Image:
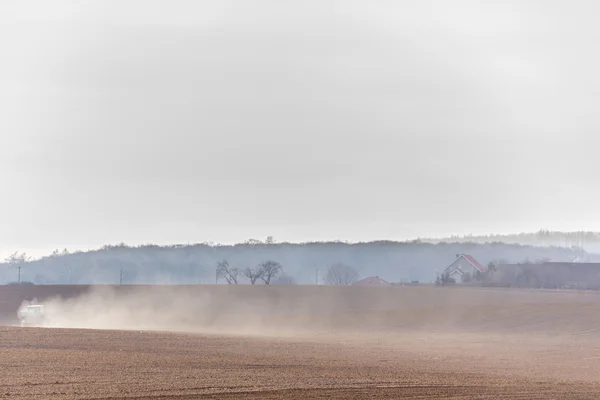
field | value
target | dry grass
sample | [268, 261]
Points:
[400, 343]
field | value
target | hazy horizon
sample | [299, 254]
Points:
[454, 238]
[176, 122]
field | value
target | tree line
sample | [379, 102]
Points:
[301, 263]
[588, 240]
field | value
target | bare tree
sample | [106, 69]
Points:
[341, 274]
[17, 261]
[269, 270]
[253, 274]
[225, 271]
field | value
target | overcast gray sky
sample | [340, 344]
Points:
[188, 121]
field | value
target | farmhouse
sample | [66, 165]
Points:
[372, 281]
[464, 268]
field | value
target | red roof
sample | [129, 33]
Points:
[474, 262]
[373, 281]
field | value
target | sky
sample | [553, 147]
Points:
[189, 121]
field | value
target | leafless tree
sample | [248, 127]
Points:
[17, 261]
[253, 274]
[225, 271]
[341, 274]
[269, 270]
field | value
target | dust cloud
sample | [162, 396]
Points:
[281, 311]
[156, 310]
[261, 311]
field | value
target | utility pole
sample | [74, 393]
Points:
[317, 277]
[121, 277]
[19, 268]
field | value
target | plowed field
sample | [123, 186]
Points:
[531, 346]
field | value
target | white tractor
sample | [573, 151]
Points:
[32, 315]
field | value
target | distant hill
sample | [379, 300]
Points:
[152, 264]
[589, 241]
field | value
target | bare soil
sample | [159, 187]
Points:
[413, 343]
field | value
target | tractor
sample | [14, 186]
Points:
[32, 315]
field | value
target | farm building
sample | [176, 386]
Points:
[464, 268]
[372, 281]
